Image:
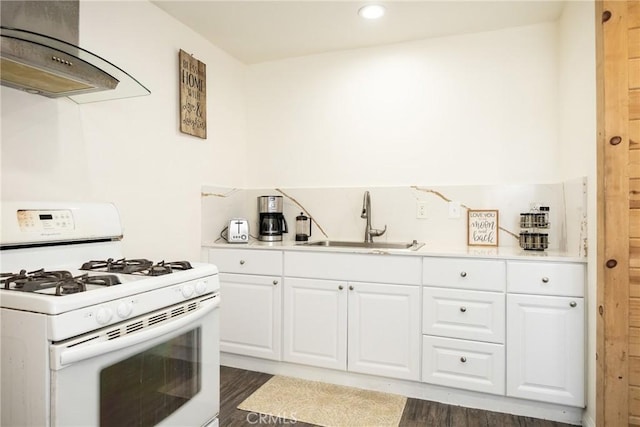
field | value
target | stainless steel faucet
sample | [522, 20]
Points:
[369, 232]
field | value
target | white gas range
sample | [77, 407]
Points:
[92, 338]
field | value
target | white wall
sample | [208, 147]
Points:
[577, 85]
[577, 89]
[479, 108]
[131, 151]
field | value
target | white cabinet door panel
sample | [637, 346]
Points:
[457, 313]
[545, 351]
[384, 330]
[315, 323]
[250, 315]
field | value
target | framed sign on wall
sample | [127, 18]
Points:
[193, 96]
[482, 227]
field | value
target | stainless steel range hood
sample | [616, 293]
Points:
[39, 54]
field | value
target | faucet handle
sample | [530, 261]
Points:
[376, 232]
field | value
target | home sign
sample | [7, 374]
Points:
[482, 227]
[193, 96]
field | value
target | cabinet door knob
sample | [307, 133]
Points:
[463, 274]
[241, 262]
[275, 282]
[573, 304]
[350, 288]
[463, 309]
[545, 280]
[463, 359]
[340, 287]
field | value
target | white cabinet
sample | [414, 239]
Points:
[464, 273]
[463, 322]
[315, 323]
[251, 304]
[250, 315]
[545, 333]
[545, 350]
[471, 365]
[373, 268]
[364, 327]
[384, 330]
[546, 278]
[458, 313]
[503, 327]
[247, 261]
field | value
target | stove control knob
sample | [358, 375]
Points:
[124, 309]
[201, 287]
[187, 290]
[104, 315]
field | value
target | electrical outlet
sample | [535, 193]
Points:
[454, 210]
[421, 209]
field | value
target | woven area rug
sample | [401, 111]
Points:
[325, 404]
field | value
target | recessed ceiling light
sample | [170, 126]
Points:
[371, 11]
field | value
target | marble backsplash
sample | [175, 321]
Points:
[335, 212]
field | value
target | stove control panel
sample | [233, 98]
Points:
[45, 220]
[151, 294]
[115, 311]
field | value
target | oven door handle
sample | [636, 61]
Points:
[61, 356]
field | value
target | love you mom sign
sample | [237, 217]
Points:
[482, 227]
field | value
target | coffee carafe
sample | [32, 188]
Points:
[272, 222]
[303, 227]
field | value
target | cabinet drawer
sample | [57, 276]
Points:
[456, 313]
[486, 275]
[247, 261]
[469, 365]
[546, 278]
[353, 267]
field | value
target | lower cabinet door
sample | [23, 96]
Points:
[384, 330]
[315, 322]
[545, 349]
[250, 315]
[471, 365]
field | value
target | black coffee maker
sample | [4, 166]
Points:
[272, 222]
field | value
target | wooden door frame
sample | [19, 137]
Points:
[613, 214]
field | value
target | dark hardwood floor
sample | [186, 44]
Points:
[237, 384]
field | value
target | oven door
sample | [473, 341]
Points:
[158, 369]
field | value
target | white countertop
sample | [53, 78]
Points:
[503, 252]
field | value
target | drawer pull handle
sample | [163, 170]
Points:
[545, 280]
[463, 274]
[241, 262]
[573, 304]
[275, 282]
[463, 359]
[463, 309]
[340, 287]
[350, 288]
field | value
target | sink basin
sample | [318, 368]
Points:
[364, 245]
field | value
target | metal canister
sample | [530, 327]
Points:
[527, 220]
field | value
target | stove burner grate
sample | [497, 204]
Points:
[167, 267]
[124, 266]
[62, 282]
[136, 266]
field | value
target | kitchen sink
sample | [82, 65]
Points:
[413, 246]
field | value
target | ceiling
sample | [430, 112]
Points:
[259, 31]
